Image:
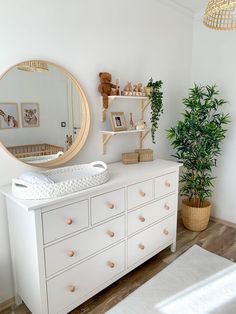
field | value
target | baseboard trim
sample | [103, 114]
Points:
[9, 304]
[224, 222]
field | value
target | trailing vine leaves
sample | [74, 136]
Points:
[197, 141]
[155, 97]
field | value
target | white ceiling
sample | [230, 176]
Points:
[193, 5]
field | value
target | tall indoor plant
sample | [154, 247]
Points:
[155, 96]
[197, 139]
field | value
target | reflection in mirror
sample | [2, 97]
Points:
[43, 112]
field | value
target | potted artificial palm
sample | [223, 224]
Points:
[197, 139]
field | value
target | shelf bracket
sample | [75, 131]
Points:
[142, 137]
[104, 110]
[144, 105]
[105, 140]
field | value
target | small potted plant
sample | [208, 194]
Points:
[197, 139]
[155, 96]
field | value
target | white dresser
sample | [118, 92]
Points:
[66, 250]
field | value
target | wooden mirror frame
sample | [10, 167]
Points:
[80, 138]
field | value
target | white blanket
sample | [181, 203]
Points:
[198, 282]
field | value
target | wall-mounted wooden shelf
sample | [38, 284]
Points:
[107, 135]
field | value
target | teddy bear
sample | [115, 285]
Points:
[105, 87]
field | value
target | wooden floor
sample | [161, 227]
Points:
[218, 238]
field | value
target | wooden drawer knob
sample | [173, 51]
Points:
[166, 206]
[111, 264]
[167, 184]
[111, 234]
[72, 288]
[69, 221]
[141, 193]
[141, 246]
[110, 205]
[70, 253]
[165, 231]
[142, 219]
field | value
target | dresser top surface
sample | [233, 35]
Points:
[120, 175]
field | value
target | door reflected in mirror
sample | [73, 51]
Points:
[44, 114]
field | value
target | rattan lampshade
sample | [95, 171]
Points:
[221, 14]
[33, 66]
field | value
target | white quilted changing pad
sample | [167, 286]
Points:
[60, 181]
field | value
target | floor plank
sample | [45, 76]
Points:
[218, 238]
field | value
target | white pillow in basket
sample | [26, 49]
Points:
[35, 178]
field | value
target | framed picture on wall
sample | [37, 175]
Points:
[30, 115]
[9, 116]
[118, 122]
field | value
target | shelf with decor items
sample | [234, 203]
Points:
[144, 102]
[107, 135]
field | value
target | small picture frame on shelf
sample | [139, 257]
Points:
[118, 122]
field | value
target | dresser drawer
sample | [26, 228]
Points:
[151, 213]
[166, 184]
[77, 282]
[140, 193]
[150, 240]
[65, 220]
[74, 249]
[107, 205]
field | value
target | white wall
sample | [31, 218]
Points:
[133, 40]
[214, 63]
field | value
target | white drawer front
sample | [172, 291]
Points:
[166, 184]
[77, 282]
[150, 240]
[107, 205]
[65, 220]
[140, 193]
[72, 250]
[150, 213]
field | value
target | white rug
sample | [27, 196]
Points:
[198, 282]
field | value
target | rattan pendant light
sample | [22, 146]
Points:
[221, 14]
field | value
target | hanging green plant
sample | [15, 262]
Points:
[155, 96]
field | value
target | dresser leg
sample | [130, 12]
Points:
[173, 247]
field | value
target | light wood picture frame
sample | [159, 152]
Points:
[9, 116]
[118, 122]
[30, 115]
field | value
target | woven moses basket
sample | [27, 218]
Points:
[65, 180]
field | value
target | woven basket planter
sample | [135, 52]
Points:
[195, 218]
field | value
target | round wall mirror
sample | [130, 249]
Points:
[44, 114]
